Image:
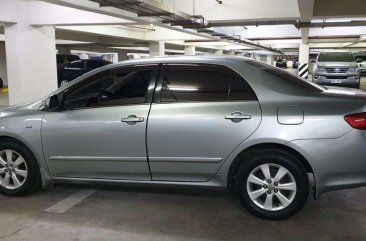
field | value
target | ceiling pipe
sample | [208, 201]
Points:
[150, 8]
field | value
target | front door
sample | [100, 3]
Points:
[100, 132]
[201, 114]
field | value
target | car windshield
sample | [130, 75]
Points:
[336, 57]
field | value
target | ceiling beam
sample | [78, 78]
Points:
[306, 9]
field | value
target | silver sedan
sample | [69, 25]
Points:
[225, 122]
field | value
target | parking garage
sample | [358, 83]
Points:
[53, 46]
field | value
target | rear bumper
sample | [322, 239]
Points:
[337, 163]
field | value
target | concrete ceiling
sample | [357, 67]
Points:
[281, 24]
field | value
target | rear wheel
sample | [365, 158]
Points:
[63, 83]
[272, 184]
[19, 171]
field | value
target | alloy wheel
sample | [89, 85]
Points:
[271, 187]
[13, 169]
[64, 82]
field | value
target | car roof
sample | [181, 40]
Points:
[183, 59]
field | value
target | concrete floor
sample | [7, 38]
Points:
[136, 213]
[169, 214]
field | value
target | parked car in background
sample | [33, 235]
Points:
[361, 61]
[235, 123]
[77, 68]
[295, 63]
[63, 59]
[336, 68]
[281, 63]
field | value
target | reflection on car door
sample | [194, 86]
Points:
[100, 133]
[197, 119]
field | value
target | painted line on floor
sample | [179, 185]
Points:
[70, 201]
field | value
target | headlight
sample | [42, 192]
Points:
[319, 68]
[354, 69]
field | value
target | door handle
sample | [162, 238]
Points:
[132, 119]
[238, 116]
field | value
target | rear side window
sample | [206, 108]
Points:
[203, 83]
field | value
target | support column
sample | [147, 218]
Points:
[157, 49]
[63, 50]
[219, 52]
[122, 55]
[31, 58]
[3, 72]
[189, 50]
[304, 60]
[232, 53]
[270, 59]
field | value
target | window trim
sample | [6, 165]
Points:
[160, 79]
[150, 89]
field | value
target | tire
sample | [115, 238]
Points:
[248, 188]
[27, 175]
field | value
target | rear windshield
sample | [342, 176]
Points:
[336, 57]
[286, 76]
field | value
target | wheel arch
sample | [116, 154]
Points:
[262, 146]
[5, 137]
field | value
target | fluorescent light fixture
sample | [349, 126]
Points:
[183, 88]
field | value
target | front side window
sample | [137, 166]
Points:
[203, 83]
[112, 87]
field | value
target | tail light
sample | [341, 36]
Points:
[357, 121]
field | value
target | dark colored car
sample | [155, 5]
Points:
[77, 68]
[295, 63]
[281, 63]
[63, 59]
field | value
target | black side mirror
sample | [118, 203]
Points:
[55, 102]
[359, 60]
[313, 60]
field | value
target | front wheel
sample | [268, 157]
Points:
[19, 171]
[272, 184]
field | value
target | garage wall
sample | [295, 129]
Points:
[3, 73]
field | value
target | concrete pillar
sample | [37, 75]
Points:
[63, 50]
[304, 60]
[303, 53]
[122, 55]
[31, 58]
[3, 72]
[270, 59]
[232, 52]
[219, 52]
[157, 49]
[189, 50]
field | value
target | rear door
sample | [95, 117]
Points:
[200, 114]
